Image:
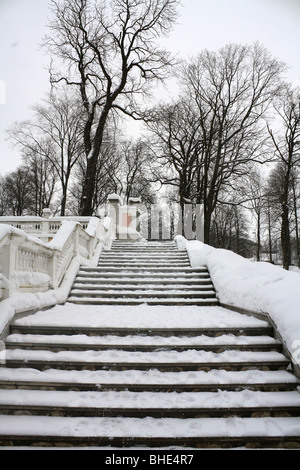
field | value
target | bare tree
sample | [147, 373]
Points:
[17, 190]
[229, 229]
[43, 179]
[55, 134]
[135, 169]
[177, 143]
[106, 180]
[232, 90]
[254, 191]
[3, 197]
[286, 142]
[111, 57]
[296, 202]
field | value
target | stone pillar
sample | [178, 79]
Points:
[114, 202]
[134, 202]
[46, 236]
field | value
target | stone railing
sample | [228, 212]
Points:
[27, 264]
[42, 227]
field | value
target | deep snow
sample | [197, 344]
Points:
[256, 286]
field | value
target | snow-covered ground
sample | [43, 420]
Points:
[259, 287]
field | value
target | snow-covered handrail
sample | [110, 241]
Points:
[42, 227]
[28, 264]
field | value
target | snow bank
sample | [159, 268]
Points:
[260, 287]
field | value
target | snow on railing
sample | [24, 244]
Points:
[27, 264]
[42, 227]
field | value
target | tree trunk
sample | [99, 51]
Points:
[63, 203]
[258, 238]
[86, 203]
[285, 238]
[296, 225]
[270, 236]
[207, 223]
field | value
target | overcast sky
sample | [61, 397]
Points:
[203, 24]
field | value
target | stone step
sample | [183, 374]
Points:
[156, 405]
[136, 246]
[140, 274]
[180, 413]
[269, 432]
[19, 328]
[128, 375]
[144, 264]
[166, 250]
[145, 294]
[139, 262]
[178, 388]
[134, 281]
[123, 360]
[145, 255]
[160, 366]
[156, 270]
[196, 271]
[138, 343]
[168, 265]
[143, 251]
[148, 381]
[140, 347]
[144, 287]
[140, 301]
[142, 259]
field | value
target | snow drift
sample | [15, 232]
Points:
[257, 286]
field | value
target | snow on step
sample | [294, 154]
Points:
[141, 300]
[165, 361]
[99, 379]
[171, 357]
[143, 259]
[141, 316]
[223, 340]
[158, 384]
[182, 274]
[150, 427]
[190, 400]
[146, 286]
[145, 291]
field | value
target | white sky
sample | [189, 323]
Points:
[203, 24]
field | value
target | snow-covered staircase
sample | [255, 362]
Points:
[146, 376]
[134, 273]
[130, 372]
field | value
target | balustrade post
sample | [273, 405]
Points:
[9, 263]
[46, 223]
[75, 236]
[53, 269]
[134, 202]
[114, 202]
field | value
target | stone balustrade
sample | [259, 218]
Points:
[29, 264]
[42, 227]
